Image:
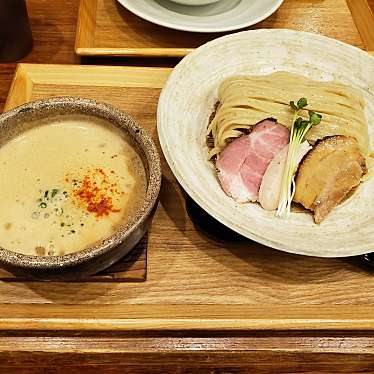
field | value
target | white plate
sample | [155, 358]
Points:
[225, 15]
[187, 101]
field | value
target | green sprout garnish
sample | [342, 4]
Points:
[303, 102]
[298, 131]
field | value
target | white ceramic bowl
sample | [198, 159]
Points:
[221, 16]
[187, 101]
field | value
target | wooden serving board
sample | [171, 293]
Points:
[105, 28]
[203, 302]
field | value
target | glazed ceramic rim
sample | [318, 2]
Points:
[172, 25]
[125, 123]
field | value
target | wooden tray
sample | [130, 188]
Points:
[105, 28]
[204, 303]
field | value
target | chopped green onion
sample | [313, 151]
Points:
[59, 212]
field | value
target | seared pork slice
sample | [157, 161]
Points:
[242, 164]
[328, 173]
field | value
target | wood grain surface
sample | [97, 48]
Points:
[314, 284]
[364, 20]
[193, 354]
[206, 318]
[106, 28]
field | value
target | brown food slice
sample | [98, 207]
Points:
[328, 173]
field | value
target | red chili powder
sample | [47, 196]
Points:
[94, 192]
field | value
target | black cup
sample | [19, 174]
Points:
[15, 31]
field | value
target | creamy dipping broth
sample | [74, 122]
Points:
[66, 185]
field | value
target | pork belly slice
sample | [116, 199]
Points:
[242, 164]
[328, 173]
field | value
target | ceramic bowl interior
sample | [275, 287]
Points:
[16, 121]
[195, 2]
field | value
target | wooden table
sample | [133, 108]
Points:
[139, 351]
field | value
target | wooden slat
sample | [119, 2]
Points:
[86, 23]
[185, 354]
[364, 19]
[105, 76]
[126, 76]
[21, 88]
[184, 317]
[118, 32]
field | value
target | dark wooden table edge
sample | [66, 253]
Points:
[261, 351]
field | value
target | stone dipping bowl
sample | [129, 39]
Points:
[111, 249]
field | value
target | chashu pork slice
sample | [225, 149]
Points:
[328, 173]
[242, 164]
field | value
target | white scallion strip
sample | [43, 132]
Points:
[299, 129]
